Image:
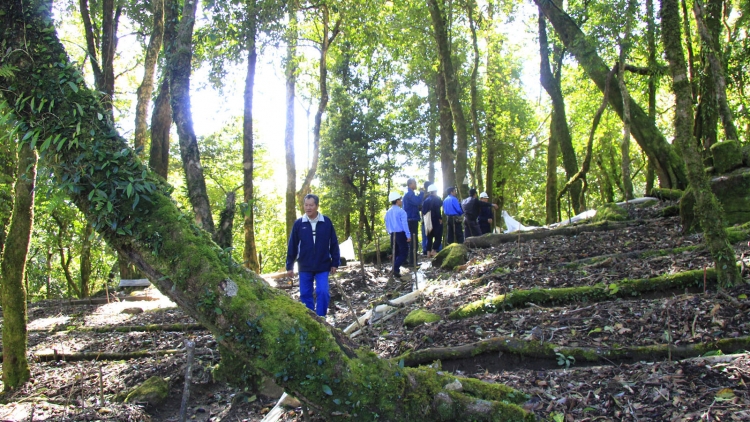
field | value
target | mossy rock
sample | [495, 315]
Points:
[610, 212]
[451, 256]
[369, 253]
[666, 194]
[732, 191]
[727, 156]
[153, 391]
[670, 211]
[420, 316]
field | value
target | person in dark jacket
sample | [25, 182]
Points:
[485, 215]
[432, 204]
[424, 235]
[313, 244]
[412, 205]
[471, 207]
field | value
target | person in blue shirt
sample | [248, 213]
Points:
[432, 204]
[313, 244]
[453, 217]
[412, 205]
[397, 226]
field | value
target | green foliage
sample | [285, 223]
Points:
[566, 361]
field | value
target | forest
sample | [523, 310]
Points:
[126, 153]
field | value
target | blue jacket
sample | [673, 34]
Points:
[451, 206]
[412, 203]
[318, 256]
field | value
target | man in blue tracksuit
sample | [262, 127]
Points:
[412, 205]
[313, 244]
[397, 226]
[453, 216]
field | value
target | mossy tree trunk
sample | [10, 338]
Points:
[669, 167]
[13, 269]
[143, 94]
[259, 324]
[707, 207]
[85, 260]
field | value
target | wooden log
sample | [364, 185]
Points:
[490, 240]
[134, 282]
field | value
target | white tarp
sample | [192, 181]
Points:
[347, 249]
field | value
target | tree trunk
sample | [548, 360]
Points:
[85, 260]
[627, 182]
[551, 191]
[669, 167]
[652, 79]
[250, 254]
[707, 207]
[325, 43]
[179, 57]
[161, 124]
[709, 28]
[559, 130]
[470, 5]
[161, 121]
[447, 153]
[143, 94]
[432, 131]
[452, 90]
[689, 45]
[13, 269]
[101, 47]
[291, 82]
[261, 325]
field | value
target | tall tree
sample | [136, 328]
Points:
[470, 7]
[707, 207]
[447, 134]
[327, 37]
[260, 325]
[652, 79]
[551, 80]
[250, 252]
[290, 73]
[669, 166]
[179, 58]
[143, 94]
[453, 93]
[13, 269]
[102, 45]
[627, 182]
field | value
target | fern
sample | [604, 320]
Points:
[7, 71]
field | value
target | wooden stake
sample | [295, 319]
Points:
[190, 347]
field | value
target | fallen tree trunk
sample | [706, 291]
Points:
[131, 209]
[490, 240]
[82, 356]
[540, 350]
[126, 328]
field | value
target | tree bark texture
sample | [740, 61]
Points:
[432, 131]
[551, 189]
[13, 269]
[559, 130]
[689, 46]
[85, 260]
[179, 57]
[447, 134]
[143, 94]
[652, 80]
[627, 182]
[290, 72]
[707, 207]
[453, 92]
[101, 47]
[260, 325]
[669, 166]
[250, 252]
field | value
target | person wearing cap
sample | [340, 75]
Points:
[313, 244]
[471, 207]
[453, 217]
[412, 204]
[397, 226]
[432, 204]
[485, 215]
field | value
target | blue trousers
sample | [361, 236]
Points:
[321, 291]
[402, 249]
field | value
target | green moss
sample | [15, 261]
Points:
[153, 391]
[369, 252]
[451, 256]
[666, 194]
[624, 288]
[610, 212]
[420, 316]
[727, 156]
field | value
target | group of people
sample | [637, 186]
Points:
[314, 246]
[473, 215]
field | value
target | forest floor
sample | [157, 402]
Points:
[558, 388]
